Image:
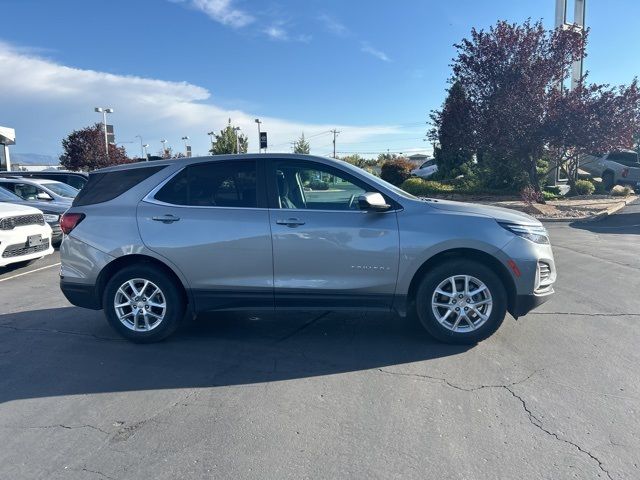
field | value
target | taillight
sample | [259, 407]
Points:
[625, 173]
[69, 221]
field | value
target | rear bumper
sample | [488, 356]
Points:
[81, 295]
[523, 304]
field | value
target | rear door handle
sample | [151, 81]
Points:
[290, 222]
[166, 218]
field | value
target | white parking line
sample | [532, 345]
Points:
[30, 271]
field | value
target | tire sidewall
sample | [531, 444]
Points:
[460, 267]
[173, 298]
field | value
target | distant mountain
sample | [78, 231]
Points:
[33, 159]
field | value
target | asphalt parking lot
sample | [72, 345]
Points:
[553, 395]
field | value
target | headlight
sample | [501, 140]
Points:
[534, 233]
[51, 217]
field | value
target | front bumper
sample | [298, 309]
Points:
[523, 304]
[14, 247]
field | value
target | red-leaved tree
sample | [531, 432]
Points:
[85, 150]
[509, 74]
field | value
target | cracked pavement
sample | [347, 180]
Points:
[553, 395]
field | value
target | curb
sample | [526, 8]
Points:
[593, 218]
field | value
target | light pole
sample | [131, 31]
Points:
[257, 120]
[141, 146]
[104, 111]
[236, 130]
[211, 134]
[146, 155]
[164, 147]
[186, 149]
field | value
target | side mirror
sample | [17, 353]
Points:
[43, 196]
[373, 201]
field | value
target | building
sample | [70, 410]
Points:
[7, 137]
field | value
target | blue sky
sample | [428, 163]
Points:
[171, 68]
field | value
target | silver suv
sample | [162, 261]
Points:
[152, 242]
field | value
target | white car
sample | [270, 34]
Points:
[425, 170]
[24, 235]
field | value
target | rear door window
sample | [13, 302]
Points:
[214, 184]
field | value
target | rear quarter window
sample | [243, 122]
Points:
[105, 186]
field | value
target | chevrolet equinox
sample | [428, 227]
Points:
[152, 242]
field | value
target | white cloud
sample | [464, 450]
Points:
[276, 33]
[366, 48]
[44, 101]
[333, 25]
[222, 11]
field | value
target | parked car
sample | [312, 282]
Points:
[24, 235]
[425, 170]
[149, 242]
[615, 168]
[52, 212]
[75, 179]
[40, 190]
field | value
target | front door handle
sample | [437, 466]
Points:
[166, 218]
[290, 222]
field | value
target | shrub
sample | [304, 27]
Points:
[583, 187]
[421, 188]
[396, 171]
[318, 185]
[549, 196]
[599, 188]
[621, 191]
[553, 190]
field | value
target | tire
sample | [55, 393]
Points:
[158, 312]
[485, 310]
[608, 181]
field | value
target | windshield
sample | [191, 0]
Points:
[62, 189]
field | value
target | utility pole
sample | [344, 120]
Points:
[335, 134]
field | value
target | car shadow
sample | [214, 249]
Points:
[69, 351]
[620, 223]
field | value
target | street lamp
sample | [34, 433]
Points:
[146, 155]
[104, 111]
[236, 130]
[257, 120]
[211, 134]
[141, 146]
[164, 146]
[186, 150]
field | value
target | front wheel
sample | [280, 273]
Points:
[143, 304]
[461, 302]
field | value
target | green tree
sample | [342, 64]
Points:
[385, 157]
[356, 160]
[85, 150]
[225, 141]
[301, 145]
[452, 130]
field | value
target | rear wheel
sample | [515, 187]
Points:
[143, 304]
[461, 302]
